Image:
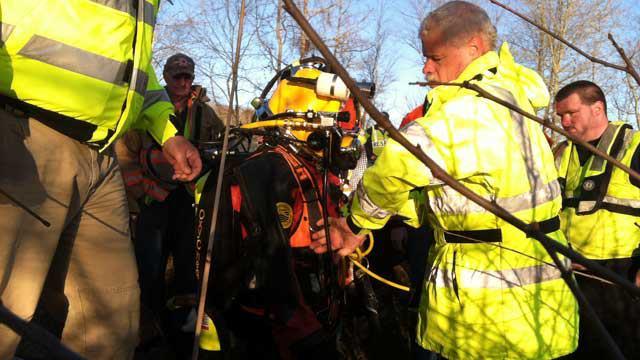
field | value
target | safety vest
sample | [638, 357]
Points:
[87, 62]
[493, 293]
[378, 138]
[600, 204]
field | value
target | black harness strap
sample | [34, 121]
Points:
[494, 235]
[599, 184]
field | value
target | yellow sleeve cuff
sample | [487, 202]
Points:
[162, 130]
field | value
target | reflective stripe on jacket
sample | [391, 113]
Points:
[78, 59]
[492, 292]
[601, 206]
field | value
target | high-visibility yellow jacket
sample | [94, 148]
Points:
[600, 204]
[86, 60]
[492, 292]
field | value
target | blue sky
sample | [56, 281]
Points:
[399, 97]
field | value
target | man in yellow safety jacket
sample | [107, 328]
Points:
[601, 213]
[492, 293]
[73, 77]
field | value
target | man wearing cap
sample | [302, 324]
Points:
[165, 221]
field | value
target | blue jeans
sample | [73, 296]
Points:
[165, 228]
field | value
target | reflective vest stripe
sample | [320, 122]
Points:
[623, 202]
[598, 175]
[495, 279]
[153, 96]
[76, 60]
[605, 144]
[610, 203]
[457, 204]
[5, 31]
[141, 80]
[120, 5]
[416, 135]
[149, 16]
[368, 206]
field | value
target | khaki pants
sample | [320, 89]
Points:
[82, 269]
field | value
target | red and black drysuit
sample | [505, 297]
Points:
[268, 285]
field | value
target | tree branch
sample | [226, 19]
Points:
[537, 119]
[629, 68]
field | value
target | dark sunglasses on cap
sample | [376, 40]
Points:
[182, 76]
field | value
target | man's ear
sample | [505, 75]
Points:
[476, 46]
[598, 107]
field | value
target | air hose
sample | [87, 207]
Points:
[356, 259]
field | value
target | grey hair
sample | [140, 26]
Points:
[459, 20]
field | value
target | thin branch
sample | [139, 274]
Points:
[628, 69]
[541, 121]
[216, 203]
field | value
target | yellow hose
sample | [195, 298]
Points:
[268, 123]
[359, 254]
[378, 277]
[370, 247]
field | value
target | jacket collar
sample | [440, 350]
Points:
[524, 81]
[478, 66]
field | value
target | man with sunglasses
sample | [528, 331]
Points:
[164, 224]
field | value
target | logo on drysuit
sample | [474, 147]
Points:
[589, 185]
[285, 214]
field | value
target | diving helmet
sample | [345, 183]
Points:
[313, 107]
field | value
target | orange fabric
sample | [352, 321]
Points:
[413, 115]
[350, 107]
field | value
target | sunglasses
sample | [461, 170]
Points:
[182, 76]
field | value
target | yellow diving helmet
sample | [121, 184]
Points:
[308, 103]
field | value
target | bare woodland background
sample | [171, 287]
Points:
[377, 41]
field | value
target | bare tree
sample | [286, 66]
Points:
[207, 32]
[626, 103]
[377, 63]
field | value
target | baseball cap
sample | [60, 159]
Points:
[179, 64]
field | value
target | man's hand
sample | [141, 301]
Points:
[342, 239]
[184, 158]
[638, 278]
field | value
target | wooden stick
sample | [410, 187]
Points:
[216, 203]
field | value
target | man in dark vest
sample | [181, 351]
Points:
[600, 213]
